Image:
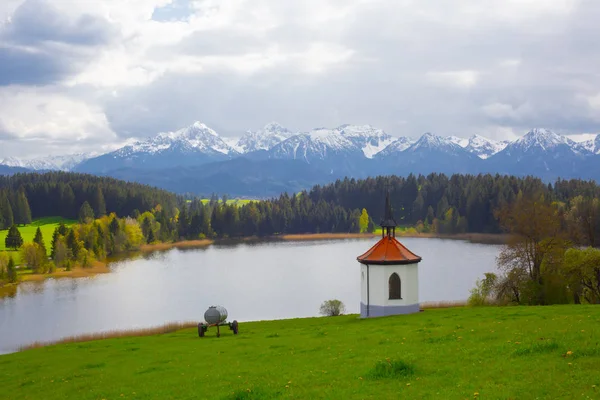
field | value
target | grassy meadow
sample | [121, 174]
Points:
[238, 202]
[46, 225]
[452, 353]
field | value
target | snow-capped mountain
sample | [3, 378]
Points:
[50, 163]
[431, 142]
[431, 153]
[195, 138]
[264, 139]
[194, 145]
[540, 140]
[592, 145]
[276, 159]
[318, 144]
[484, 147]
[541, 153]
[397, 146]
[367, 138]
[462, 142]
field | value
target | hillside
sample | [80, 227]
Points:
[455, 353]
[24, 196]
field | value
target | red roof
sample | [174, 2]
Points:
[388, 251]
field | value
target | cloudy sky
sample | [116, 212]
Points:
[81, 75]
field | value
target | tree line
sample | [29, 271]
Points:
[452, 204]
[115, 216]
[27, 196]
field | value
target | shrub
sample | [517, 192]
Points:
[480, 294]
[391, 369]
[332, 308]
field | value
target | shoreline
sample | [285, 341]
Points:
[174, 326]
[98, 267]
[102, 267]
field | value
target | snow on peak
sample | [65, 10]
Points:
[483, 147]
[462, 142]
[195, 138]
[396, 146]
[592, 145]
[264, 139]
[369, 139]
[275, 127]
[545, 139]
[13, 162]
[430, 141]
[49, 163]
[331, 138]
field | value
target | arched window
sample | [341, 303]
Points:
[395, 287]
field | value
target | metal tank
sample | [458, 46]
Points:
[215, 315]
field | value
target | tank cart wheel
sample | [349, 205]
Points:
[234, 327]
[200, 330]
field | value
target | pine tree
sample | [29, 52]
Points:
[73, 244]
[151, 237]
[13, 240]
[113, 227]
[39, 239]
[62, 229]
[99, 203]
[183, 225]
[23, 214]
[55, 236]
[11, 271]
[6, 212]
[86, 213]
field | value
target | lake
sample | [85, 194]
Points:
[253, 281]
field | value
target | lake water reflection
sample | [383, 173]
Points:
[270, 280]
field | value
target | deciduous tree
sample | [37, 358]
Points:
[535, 238]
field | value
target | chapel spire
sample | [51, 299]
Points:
[388, 223]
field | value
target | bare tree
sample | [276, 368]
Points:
[536, 240]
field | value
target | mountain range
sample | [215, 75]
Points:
[196, 159]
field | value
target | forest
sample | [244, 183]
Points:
[550, 256]
[27, 196]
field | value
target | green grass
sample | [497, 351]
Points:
[238, 202]
[456, 353]
[46, 225]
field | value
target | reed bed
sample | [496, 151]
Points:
[443, 304]
[178, 245]
[87, 337]
[320, 236]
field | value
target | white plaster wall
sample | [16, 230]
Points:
[379, 276]
[409, 279]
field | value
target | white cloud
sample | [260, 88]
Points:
[460, 79]
[32, 114]
[594, 102]
[462, 67]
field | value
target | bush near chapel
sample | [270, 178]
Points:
[332, 308]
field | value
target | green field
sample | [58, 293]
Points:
[46, 225]
[238, 202]
[456, 353]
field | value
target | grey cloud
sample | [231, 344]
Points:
[36, 21]
[41, 46]
[18, 66]
[385, 83]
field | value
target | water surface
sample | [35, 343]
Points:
[258, 281]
